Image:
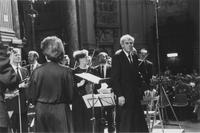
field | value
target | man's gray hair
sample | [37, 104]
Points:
[126, 37]
[34, 53]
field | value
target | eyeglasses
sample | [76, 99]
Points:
[128, 43]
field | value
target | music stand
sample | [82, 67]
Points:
[100, 100]
[94, 80]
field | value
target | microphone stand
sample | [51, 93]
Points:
[19, 103]
[93, 111]
[163, 93]
[93, 116]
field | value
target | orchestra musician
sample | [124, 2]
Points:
[19, 116]
[8, 79]
[145, 67]
[125, 83]
[33, 57]
[104, 71]
[81, 115]
[51, 89]
[66, 60]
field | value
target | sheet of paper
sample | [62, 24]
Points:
[91, 100]
[90, 77]
[107, 99]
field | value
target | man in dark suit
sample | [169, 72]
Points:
[12, 102]
[8, 78]
[103, 70]
[33, 57]
[145, 67]
[125, 83]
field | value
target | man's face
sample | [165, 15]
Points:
[66, 61]
[142, 55]
[127, 45]
[31, 58]
[103, 58]
[16, 57]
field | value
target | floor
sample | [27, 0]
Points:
[188, 126]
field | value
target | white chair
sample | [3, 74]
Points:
[152, 112]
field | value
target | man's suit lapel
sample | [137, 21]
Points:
[23, 73]
[124, 58]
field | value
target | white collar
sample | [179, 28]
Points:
[127, 55]
[35, 64]
[15, 66]
[125, 52]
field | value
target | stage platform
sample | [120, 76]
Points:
[168, 131]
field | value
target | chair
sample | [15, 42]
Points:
[180, 101]
[31, 118]
[152, 112]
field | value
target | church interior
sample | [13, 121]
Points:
[163, 27]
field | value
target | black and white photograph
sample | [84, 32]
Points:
[99, 66]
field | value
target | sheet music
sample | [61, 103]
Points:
[107, 99]
[91, 78]
[99, 100]
[88, 99]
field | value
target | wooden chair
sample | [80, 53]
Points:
[152, 112]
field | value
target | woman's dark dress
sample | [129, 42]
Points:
[51, 92]
[81, 115]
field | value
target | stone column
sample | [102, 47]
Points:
[15, 18]
[71, 25]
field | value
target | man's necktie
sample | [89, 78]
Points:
[104, 71]
[130, 58]
[19, 74]
[31, 68]
[145, 67]
[101, 69]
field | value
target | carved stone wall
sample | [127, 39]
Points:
[9, 23]
[107, 24]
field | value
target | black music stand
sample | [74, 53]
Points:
[100, 100]
[92, 100]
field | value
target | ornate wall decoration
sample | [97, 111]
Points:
[107, 23]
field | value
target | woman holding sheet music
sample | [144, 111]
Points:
[81, 115]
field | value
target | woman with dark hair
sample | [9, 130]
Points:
[51, 89]
[81, 115]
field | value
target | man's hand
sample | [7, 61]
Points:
[24, 85]
[12, 94]
[121, 100]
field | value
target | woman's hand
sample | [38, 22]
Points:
[81, 83]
